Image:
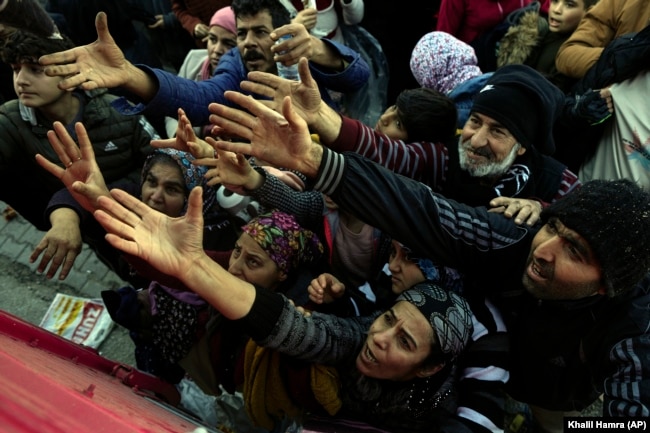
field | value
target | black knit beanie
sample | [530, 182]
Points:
[614, 218]
[525, 102]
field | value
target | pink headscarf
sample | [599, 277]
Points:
[441, 62]
[225, 18]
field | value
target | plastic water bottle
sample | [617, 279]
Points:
[288, 72]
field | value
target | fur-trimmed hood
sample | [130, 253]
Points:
[521, 38]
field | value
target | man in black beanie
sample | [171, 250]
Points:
[501, 158]
[575, 290]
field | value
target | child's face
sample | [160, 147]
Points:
[565, 15]
[33, 88]
[390, 124]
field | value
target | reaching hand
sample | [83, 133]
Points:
[283, 140]
[232, 170]
[525, 210]
[186, 139]
[81, 174]
[61, 244]
[325, 289]
[171, 245]
[99, 64]
[307, 17]
[305, 95]
[301, 44]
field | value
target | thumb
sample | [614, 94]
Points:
[101, 24]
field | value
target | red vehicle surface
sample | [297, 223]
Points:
[51, 385]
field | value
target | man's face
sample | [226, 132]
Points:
[33, 88]
[487, 148]
[561, 265]
[254, 42]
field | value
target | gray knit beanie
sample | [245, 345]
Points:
[614, 218]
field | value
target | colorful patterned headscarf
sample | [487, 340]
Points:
[284, 240]
[194, 175]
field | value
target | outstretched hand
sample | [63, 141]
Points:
[171, 245]
[81, 174]
[305, 95]
[185, 139]
[232, 170]
[325, 288]
[99, 64]
[280, 139]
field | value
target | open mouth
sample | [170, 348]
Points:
[536, 272]
[369, 356]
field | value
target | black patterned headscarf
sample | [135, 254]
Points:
[448, 313]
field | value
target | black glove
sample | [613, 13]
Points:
[591, 107]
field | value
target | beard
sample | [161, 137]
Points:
[490, 168]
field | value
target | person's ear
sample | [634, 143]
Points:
[429, 370]
[283, 276]
[521, 150]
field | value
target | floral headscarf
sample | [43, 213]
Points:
[194, 175]
[284, 240]
[440, 61]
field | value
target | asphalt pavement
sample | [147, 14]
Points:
[27, 294]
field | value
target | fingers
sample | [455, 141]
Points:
[231, 146]
[63, 144]
[85, 146]
[57, 255]
[163, 143]
[522, 210]
[305, 74]
[260, 89]
[250, 104]
[49, 166]
[232, 120]
[101, 25]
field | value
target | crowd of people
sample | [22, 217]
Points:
[426, 240]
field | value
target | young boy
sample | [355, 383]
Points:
[535, 39]
[120, 142]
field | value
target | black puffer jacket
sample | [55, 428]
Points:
[120, 143]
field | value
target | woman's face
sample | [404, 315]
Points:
[249, 262]
[404, 272]
[164, 188]
[398, 342]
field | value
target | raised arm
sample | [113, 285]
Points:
[174, 246]
[99, 64]
[265, 129]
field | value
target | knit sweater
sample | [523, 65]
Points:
[478, 375]
[565, 353]
[433, 164]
